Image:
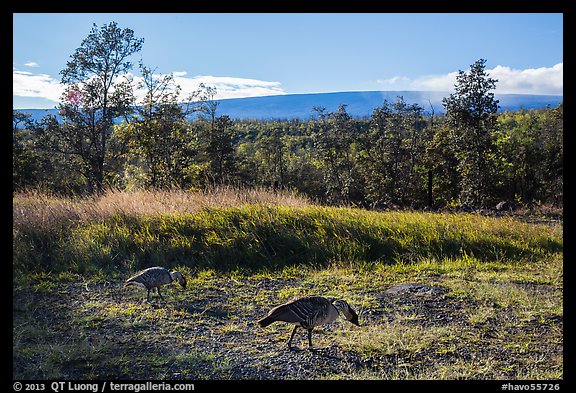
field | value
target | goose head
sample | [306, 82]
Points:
[179, 277]
[348, 312]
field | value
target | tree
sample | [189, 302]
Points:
[530, 155]
[471, 114]
[220, 150]
[36, 161]
[24, 160]
[95, 95]
[271, 152]
[391, 154]
[159, 139]
[442, 166]
[334, 136]
[552, 170]
[208, 105]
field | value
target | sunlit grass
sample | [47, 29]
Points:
[263, 236]
[393, 337]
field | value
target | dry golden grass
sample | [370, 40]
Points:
[45, 211]
[179, 201]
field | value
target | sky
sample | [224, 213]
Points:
[261, 54]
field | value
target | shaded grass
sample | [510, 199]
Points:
[477, 328]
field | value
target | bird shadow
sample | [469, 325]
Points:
[323, 352]
[212, 311]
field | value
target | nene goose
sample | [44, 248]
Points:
[309, 312]
[155, 277]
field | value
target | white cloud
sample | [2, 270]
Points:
[27, 84]
[32, 64]
[427, 83]
[543, 80]
[228, 87]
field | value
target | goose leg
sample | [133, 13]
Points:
[310, 338]
[148, 297]
[158, 288]
[292, 336]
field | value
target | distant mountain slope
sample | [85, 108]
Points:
[359, 103]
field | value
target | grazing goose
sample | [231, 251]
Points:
[309, 312]
[155, 277]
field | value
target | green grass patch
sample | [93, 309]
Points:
[256, 237]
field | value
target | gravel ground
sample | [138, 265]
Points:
[109, 332]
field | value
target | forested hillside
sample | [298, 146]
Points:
[387, 160]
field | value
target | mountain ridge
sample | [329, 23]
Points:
[358, 103]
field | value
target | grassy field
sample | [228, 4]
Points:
[440, 295]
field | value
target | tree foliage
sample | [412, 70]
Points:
[158, 138]
[391, 154]
[471, 114]
[96, 93]
[335, 135]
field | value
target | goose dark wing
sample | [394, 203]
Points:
[286, 313]
[152, 277]
[299, 310]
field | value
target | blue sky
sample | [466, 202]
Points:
[252, 54]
